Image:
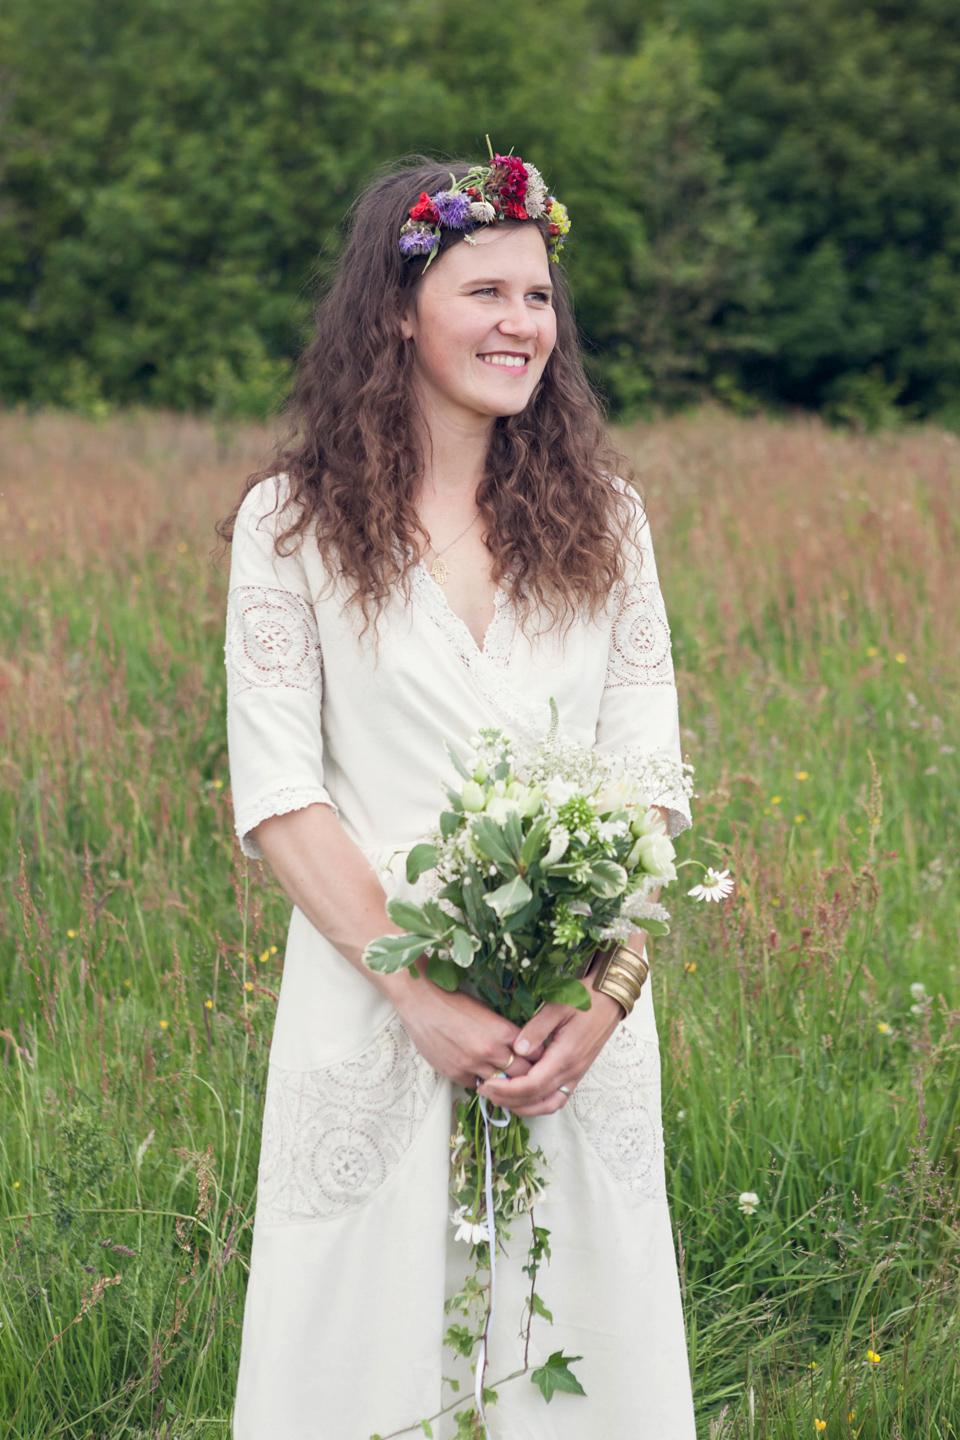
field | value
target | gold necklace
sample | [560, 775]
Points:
[439, 569]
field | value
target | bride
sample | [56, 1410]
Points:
[438, 547]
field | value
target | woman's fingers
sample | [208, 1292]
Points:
[537, 1031]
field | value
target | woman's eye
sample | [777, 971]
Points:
[540, 296]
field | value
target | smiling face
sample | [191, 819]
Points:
[483, 325]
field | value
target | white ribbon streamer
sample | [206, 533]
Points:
[492, 1232]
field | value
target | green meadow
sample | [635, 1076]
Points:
[810, 1025]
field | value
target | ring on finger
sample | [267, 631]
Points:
[564, 1091]
[510, 1061]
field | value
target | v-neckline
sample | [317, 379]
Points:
[487, 647]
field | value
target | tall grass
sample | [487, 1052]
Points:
[813, 586]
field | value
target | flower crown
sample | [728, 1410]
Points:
[506, 189]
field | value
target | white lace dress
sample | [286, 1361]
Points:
[353, 1250]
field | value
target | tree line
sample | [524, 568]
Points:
[765, 193]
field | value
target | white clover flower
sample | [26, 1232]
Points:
[468, 1230]
[559, 841]
[715, 885]
[918, 990]
[748, 1202]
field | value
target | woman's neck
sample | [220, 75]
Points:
[455, 455]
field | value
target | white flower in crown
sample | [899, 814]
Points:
[535, 200]
[468, 1230]
[482, 212]
[715, 885]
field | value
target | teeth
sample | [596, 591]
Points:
[510, 361]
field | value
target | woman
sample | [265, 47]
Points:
[445, 550]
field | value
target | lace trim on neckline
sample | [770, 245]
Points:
[487, 663]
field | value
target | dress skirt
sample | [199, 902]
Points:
[354, 1252]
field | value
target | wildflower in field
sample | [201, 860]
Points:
[799, 819]
[801, 775]
[71, 934]
[164, 1024]
[127, 983]
[248, 985]
[813, 1365]
[872, 651]
[919, 992]
[873, 1358]
[208, 1004]
[748, 1202]
[16, 1184]
[265, 956]
[182, 547]
[819, 1425]
[900, 658]
[681, 1115]
[690, 968]
[218, 784]
[715, 885]
[851, 1416]
[775, 799]
[883, 1027]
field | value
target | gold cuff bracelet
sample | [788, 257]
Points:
[621, 975]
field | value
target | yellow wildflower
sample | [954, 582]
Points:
[799, 819]
[872, 650]
[851, 1416]
[16, 1184]
[127, 983]
[248, 985]
[208, 1004]
[775, 799]
[164, 1024]
[802, 775]
[884, 1029]
[819, 1425]
[71, 934]
[265, 956]
[900, 658]
[182, 547]
[873, 1357]
[813, 1365]
[218, 784]
[690, 967]
[273, 949]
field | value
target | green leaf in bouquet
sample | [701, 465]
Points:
[412, 917]
[567, 992]
[458, 765]
[443, 973]
[523, 917]
[654, 927]
[453, 796]
[449, 823]
[507, 899]
[489, 840]
[454, 893]
[607, 878]
[420, 859]
[464, 947]
[513, 834]
[534, 843]
[556, 1375]
[393, 952]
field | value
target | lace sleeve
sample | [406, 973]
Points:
[638, 711]
[274, 681]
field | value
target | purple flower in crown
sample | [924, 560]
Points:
[452, 207]
[418, 242]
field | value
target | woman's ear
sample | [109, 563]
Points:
[408, 319]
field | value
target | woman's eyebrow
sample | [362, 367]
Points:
[483, 280]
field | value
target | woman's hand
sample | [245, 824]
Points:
[458, 1034]
[578, 1038]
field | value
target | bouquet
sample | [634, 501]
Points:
[542, 857]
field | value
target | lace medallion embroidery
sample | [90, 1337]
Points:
[618, 1106]
[640, 640]
[272, 640]
[332, 1137]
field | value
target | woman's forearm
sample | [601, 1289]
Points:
[330, 881]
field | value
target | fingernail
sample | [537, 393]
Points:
[522, 1047]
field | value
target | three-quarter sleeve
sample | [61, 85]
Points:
[638, 711]
[274, 674]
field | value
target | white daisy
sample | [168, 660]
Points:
[715, 885]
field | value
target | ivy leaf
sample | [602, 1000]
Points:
[427, 1429]
[421, 858]
[556, 1375]
[607, 878]
[464, 947]
[393, 952]
[568, 992]
[459, 1338]
[538, 1307]
[443, 973]
[507, 899]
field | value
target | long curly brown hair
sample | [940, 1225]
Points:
[554, 518]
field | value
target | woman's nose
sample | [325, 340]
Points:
[518, 320]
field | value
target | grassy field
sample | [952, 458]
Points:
[810, 1025]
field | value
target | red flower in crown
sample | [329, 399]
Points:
[514, 183]
[515, 211]
[424, 209]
